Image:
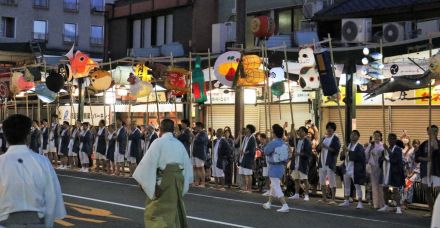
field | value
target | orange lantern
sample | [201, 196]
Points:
[101, 80]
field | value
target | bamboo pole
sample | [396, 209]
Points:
[15, 104]
[339, 93]
[190, 90]
[292, 125]
[383, 96]
[27, 104]
[269, 95]
[430, 117]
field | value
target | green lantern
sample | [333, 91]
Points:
[278, 88]
[198, 83]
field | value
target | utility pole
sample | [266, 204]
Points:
[241, 39]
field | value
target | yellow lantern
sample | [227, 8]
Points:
[143, 72]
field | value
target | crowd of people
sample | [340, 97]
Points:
[291, 164]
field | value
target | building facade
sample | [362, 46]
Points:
[148, 25]
[56, 24]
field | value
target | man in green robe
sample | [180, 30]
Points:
[165, 173]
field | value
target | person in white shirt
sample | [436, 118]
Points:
[165, 173]
[355, 169]
[30, 193]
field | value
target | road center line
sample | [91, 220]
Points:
[141, 208]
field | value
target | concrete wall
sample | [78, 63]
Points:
[119, 37]
[25, 14]
[204, 15]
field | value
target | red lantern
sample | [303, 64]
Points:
[176, 81]
[263, 26]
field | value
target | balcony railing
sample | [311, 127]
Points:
[39, 36]
[41, 4]
[8, 2]
[96, 41]
[70, 39]
[71, 6]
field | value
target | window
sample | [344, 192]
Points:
[41, 3]
[7, 27]
[155, 31]
[8, 2]
[285, 22]
[40, 30]
[70, 33]
[96, 35]
[70, 5]
[97, 5]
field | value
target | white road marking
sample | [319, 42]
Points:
[240, 201]
[97, 180]
[292, 208]
[141, 208]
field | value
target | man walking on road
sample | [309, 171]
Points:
[165, 173]
[30, 193]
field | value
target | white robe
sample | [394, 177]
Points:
[163, 151]
[34, 179]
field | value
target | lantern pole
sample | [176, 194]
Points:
[81, 99]
[27, 104]
[430, 116]
[269, 95]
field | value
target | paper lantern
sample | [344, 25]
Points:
[121, 73]
[251, 61]
[262, 26]
[278, 88]
[226, 66]
[101, 80]
[252, 77]
[143, 72]
[198, 83]
[32, 74]
[66, 72]
[55, 82]
[139, 88]
[18, 83]
[44, 93]
[309, 76]
[80, 63]
[276, 74]
[176, 81]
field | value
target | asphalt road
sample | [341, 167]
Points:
[94, 200]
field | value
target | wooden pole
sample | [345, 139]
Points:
[15, 104]
[157, 105]
[339, 93]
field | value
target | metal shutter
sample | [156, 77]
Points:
[300, 115]
[414, 120]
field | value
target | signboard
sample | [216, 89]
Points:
[435, 96]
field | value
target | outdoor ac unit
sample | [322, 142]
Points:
[397, 31]
[426, 27]
[356, 30]
[310, 8]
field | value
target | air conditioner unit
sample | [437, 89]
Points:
[310, 8]
[356, 30]
[426, 27]
[397, 31]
